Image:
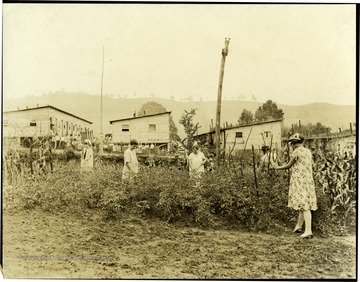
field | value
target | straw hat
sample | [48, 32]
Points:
[296, 138]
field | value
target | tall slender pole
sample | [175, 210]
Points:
[254, 170]
[218, 107]
[101, 107]
[101, 103]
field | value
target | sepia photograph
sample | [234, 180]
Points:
[178, 140]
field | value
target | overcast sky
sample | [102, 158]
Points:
[291, 54]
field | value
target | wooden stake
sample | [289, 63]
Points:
[254, 169]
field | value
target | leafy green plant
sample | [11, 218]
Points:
[337, 178]
[190, 129]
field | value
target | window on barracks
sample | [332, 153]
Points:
[238, 135]
[125, 127]
[152, 127]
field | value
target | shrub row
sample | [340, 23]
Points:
[221, 198]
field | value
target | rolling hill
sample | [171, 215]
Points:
[88, 107]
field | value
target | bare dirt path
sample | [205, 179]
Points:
[42, 245]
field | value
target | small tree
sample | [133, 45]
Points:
[190, 129]
[246, 117]
[320, 129]
[268, 111]
[309, 129]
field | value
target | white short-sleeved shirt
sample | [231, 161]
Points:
[130, 157]
[195, 162]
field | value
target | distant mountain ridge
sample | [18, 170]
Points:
[88, 107]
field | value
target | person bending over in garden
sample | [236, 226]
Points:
[87, 156]
[196, 162]
[302, 196]
[131, 165]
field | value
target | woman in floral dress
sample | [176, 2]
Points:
[302, 196]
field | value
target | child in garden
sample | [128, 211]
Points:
[87, 156]
[302, 195]
[48, 156]
[196, 162]
[131, 164]
[264, 161]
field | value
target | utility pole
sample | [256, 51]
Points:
[218, 107]
[101, 105]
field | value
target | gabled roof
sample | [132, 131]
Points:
[51, 107]
[132, 118]
[242, 126]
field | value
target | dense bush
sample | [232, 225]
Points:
[222, 197]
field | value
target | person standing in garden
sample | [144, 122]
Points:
[152, 155]
[196, 162]
[302, 196]
[265, 159]
[131, 164]
[48, 156]
[87, 156]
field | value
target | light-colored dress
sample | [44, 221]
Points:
[196, 166]
[130, 157]
[302, 194]
[87, 159]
